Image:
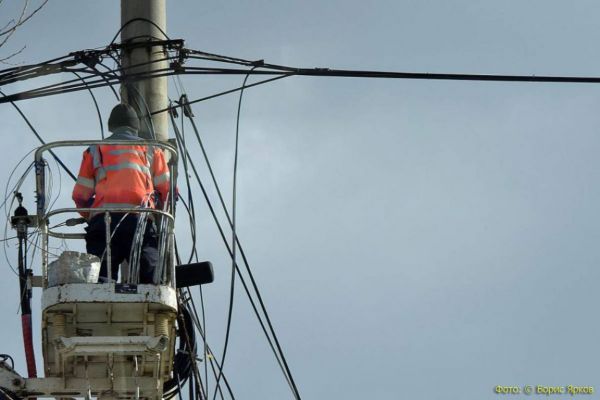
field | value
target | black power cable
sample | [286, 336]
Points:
[95, 104]
[106, 79]
[180, 139]
[110, 85]
[222, 93]
[138, 20]
[40, 138]
[213, 362]
[185, 358]
[185, 154]
[233, 230]
[280, 358]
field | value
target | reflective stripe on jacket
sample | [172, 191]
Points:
[120, 176]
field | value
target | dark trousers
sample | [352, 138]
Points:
[121, 242]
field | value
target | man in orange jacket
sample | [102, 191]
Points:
[122, 176]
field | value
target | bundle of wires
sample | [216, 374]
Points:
[185, 357]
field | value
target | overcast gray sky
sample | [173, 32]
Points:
[411, 239]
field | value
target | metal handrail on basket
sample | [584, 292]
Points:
[166, 275]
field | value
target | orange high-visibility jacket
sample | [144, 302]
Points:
[115, 176]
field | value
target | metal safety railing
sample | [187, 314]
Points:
[164, 272]
[40, 164]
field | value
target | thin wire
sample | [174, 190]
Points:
[95, 104]
[247, 265]
[74, 85]
[221, 93]
[110, 85]
[61, 88]
[233, 226]
[184, 158]
[136, 20]
[6, 195]
[40, 248]
[205, 194]
[213, 361]
[246, 289]
[47, 68]
[192, 353]
[191, 212]
[52, 202]
[7, 209]
[205, 351]
[40, 138]
[147, 115]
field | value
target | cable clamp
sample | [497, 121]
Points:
[187, 109]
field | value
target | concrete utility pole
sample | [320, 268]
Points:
[149, 94]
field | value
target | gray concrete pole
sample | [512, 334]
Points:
[149, 94]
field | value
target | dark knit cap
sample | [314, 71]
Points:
[123, 115]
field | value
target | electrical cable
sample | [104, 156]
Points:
[136, 20]
[5, 357]
[182, 360]
[205, 350]
[233, 230]
[191, 212]
[95, 104]
[14, 190]
[192, 352]
[12, 74]
[146, 116]
[73, 85]
[181, 145]
[222, 93]
[246, 289]
[69, 86]
[213, 361]
[222, 236]
[282, 363]
[110, 85]
[40, 138]
[6, 394]
[184, 158]
[243, 255]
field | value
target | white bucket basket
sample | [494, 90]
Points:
[73, 267]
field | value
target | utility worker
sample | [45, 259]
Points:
[122, 176]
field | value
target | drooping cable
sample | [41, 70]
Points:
[95, 104]
[182, 367]
[40, 138]
[110, 85]
[138, 102]
[241, 277]
[63, 64]
[222, 234]
[280, 358]
[181, 145]
[209, 354]
[75, 85]
[222, 93]
[138, 20]
[233, 231]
